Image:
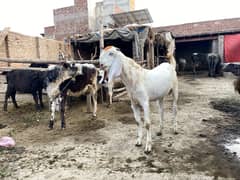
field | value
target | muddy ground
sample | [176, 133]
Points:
[104, 148]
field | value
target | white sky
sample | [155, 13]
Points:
[31, 16]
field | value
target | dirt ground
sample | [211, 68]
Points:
[104, 148]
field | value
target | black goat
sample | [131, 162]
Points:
[24, 81]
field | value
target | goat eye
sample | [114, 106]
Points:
[110, 54]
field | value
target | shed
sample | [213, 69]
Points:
[218, 36]
[133, 41]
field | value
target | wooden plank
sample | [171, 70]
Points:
[120, 95]
[119, 89]
[19, 68]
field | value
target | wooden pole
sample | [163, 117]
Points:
[101, 43]
[15, 60]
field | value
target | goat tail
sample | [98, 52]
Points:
[172, 60]
[236, 84]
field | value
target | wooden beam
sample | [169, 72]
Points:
[119, 90]
[15, 60]
[19, 68]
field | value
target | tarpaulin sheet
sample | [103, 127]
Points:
[124, 33]
[232, 48]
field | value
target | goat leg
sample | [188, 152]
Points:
[50, 125]
[13, 96]
[53, 109]
[137, 116]
[6, 102]
[35, 97]
[40, 98]
[62, 111]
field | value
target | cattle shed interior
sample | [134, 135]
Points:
[202, 45]
[186, 49]
[87, 50]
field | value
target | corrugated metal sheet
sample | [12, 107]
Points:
[133, 17]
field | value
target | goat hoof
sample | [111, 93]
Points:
[94, 117]
[159, 133]
[138, 145]
[50, 128]
[176, 133]
[63, 126]
[147, 152]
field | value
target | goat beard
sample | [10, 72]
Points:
[236, 84]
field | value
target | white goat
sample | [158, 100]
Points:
[106, 84]
[142, 85]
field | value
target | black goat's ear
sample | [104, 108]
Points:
[65, 65]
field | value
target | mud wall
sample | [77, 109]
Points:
[16, 45]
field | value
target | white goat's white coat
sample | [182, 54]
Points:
[143, 86]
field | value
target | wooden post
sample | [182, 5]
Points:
[101, 42]
[151, 47]
[221, 47]
[158, 60]
[151, 54]
[69, 50]
[142, 51]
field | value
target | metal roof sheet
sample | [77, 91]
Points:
[139, 17]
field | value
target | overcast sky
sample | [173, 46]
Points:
[31, 16]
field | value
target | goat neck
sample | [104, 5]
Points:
[132, 73]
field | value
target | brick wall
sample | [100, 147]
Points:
[80, 3]
[48, 49]
[28, 47]
[21, 46]
[49, 32]
[69, 21]
[3, 54]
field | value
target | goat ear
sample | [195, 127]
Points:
[65, 65]
[115, 70]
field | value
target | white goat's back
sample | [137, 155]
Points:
[160, 80]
